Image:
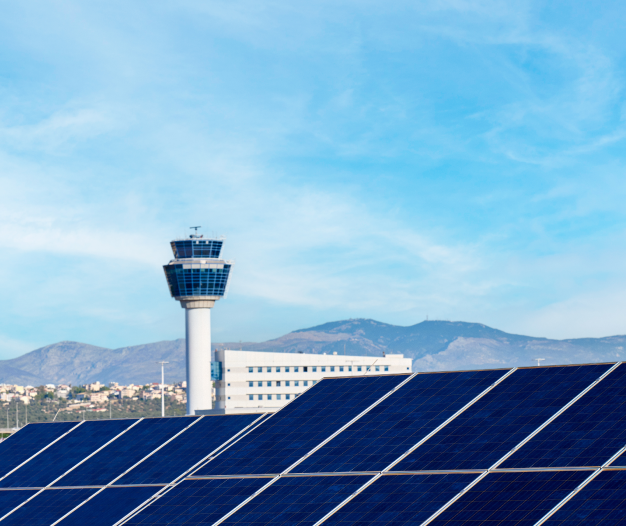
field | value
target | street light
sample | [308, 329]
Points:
[163, 387]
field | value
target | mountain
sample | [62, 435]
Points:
[433, 346]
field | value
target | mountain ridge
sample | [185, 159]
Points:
[433, 345]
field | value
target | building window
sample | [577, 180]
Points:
[260, 397]
[305, 369]
[277, 369]
[324, 369]
[386, 368]
[269, 397]
[228, 385]
[287, 397]
[250, 384]
[287, 383]
[250, 397]
[314, 369]
[377, 368]
[269, 369]
[332, 368]
[296, 383]
[278, 383]
[349, 368]
[269, 384]
[277, 397]
[341, 368]
[229, 397]
[295, 369]
[260, 369]
[358, 368]
[306, 383]
[314, 382]
[286, 369]
[250, 369]
[260, 384]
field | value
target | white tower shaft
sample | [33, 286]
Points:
[199, 384]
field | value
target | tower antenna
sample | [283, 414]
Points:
[539, 360]
[195, 228]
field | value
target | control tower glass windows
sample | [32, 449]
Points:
[197, 248]
[197, 281]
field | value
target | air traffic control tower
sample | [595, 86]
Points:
[197, 277]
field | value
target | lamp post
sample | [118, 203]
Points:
[163, 387]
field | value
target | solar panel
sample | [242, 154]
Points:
[511, 498]
[301, 425]
[186, 450]
[47, 507]
[65, 453]
[502, 418]
[400, 499]
[10, 499]
[124, 452]
[587, 434]
[399, 422]
[602, 501]
[109, 506]
[297, 500]
[342, 425]
[29, 440]
[198, 501]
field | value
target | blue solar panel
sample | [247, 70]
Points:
[399, 422]
[109, 506]
[10, 499]
[502, 418]
[27, 441]
[47, 507]
[297, 500]
[587, 434]
[66, 453]
[400, 500]
[517, 499]
[301, 425]
[197, 502]
[124, 452]
[187, 449]
[602, 501]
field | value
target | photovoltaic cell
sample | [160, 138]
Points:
[511, 499]
[602, 501]
[122, 453]
[66, 453]
[587, 434]
[399, 422]
[186, 450]
[301, 425]
[296, 500]
[10, 499]
[27, 441]
[47, 507]
[502, 418]
[109, 506]
[400, 500]
[197, 502]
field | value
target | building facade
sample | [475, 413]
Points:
[266, 381]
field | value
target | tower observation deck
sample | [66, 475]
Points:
[197, 277]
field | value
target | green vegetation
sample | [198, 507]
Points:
[44, 410]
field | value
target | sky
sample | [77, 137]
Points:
[450, 159]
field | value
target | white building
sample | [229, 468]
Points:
[254, 382]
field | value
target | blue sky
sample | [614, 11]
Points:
[459, 159]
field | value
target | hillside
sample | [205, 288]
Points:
[433, 345]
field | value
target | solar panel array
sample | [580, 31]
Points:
[527, 446]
